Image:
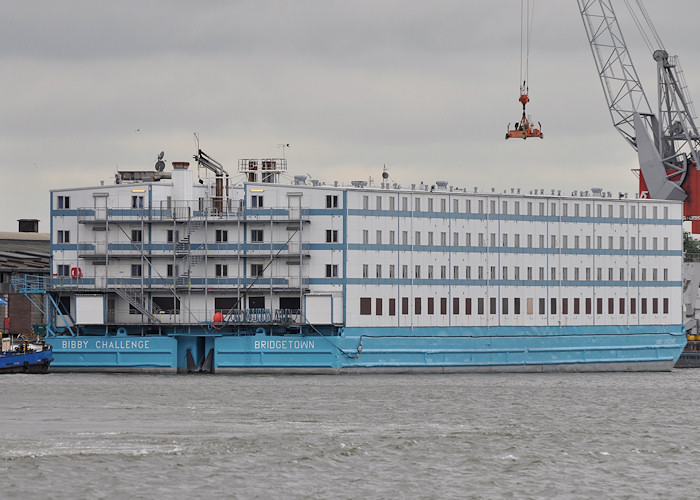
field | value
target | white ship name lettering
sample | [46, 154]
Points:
[284, 344]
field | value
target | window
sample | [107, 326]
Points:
[331, 236]
[63, 237]
[443, 239]
[256, 235]
[137, 202]
[379, 270]
[379, 237]
[221, 235]
[136, 235]
[577, 305]
[542, 306]
[404, 237]
[589, 305]
[172, 270]
[417, 273]
[365, 236]
[611, 305]
[417, 308]
[443, 272]
[504, 305]
[516, 243]
[443, 205]
[468, 272]
[365, 202]
[565, 304]
[135, 270]
[622, 305]
[331, 270]
[468, 306]
[173, 235]
[455, 239]
[365, 306]
[417, 239]
[417, 209]
[480, 305]
[492, 305]
[455, 272]
[404, 271]
[392, 235]
[392, 271]
[552, 306]
[516, 305]
[221, 270]
[256, 201]
[431, 305]
[404, 305]
[455, 305]
[430, 272]
[633, 304]
[256, 270]
[63, 270]
[666, 306]
[64, 202]
[392, 206]
[655, 303]
[331, 201]
[392, 302]
[379, 207]
[430, 238]
[504, 240]
[430, 204]
[365, 270]
[599, 305]
[378, 307]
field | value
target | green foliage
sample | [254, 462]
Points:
[690, 244]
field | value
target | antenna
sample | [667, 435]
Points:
[160, 164]
[284, 147]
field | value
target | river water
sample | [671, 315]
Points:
[616, 435]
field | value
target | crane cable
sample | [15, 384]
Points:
[646, 35]
[527, 10]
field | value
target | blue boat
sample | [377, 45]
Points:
[25, 357]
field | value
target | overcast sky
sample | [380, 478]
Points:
[425, 88]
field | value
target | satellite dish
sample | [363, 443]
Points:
[161, 155]
[160, 165]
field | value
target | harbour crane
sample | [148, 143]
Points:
[667, 141]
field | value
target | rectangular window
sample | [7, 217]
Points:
[221, 270]
[480, 305]
[565, 304]
[530, 308]
[256, 270]
[443, 305]
[430, 238]
[63, 237]
[331, 270]
[404, 237]
[599, 305]
[455, 272]
[417, 272]
[443, 272]
[417, 306]
[516, 305]
[378, 307]
[392, 302]
[331, 201]
[552, 305]
[633, 305]
[468, 272]
[379, 270]
[504, 240]
[63, 270]
[655, 304]
[430, 204]
[504, 305]
[64, 202]
[542, 306]
[256, 235]
[404, 271]
[172, 270]
[666, 306]
[468, 306]
[622, 305]
[365, 270]
[492, 305]
[455, 305]
[256, 201]
[379, 237]
[431, 305]
[331, 236]
[577, 305]
[136, 270]
[365, 306]
[392, 271]
[404, 305]
[137, 202]
[173, 236]
[417, 238]
[611, 305]
[365, 236]
[379, 207]
[589, 305]
[221, 235]
[644, 301]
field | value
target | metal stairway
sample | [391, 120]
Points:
[135, 296]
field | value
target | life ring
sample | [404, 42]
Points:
[76, 272]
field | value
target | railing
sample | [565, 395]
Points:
[262, 316]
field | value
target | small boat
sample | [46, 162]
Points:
[23, 356]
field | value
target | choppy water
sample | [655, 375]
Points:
[352, 436]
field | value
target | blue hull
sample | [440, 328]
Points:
[601, 348]
[29, 362]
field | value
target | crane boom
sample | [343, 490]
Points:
[667, 142]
